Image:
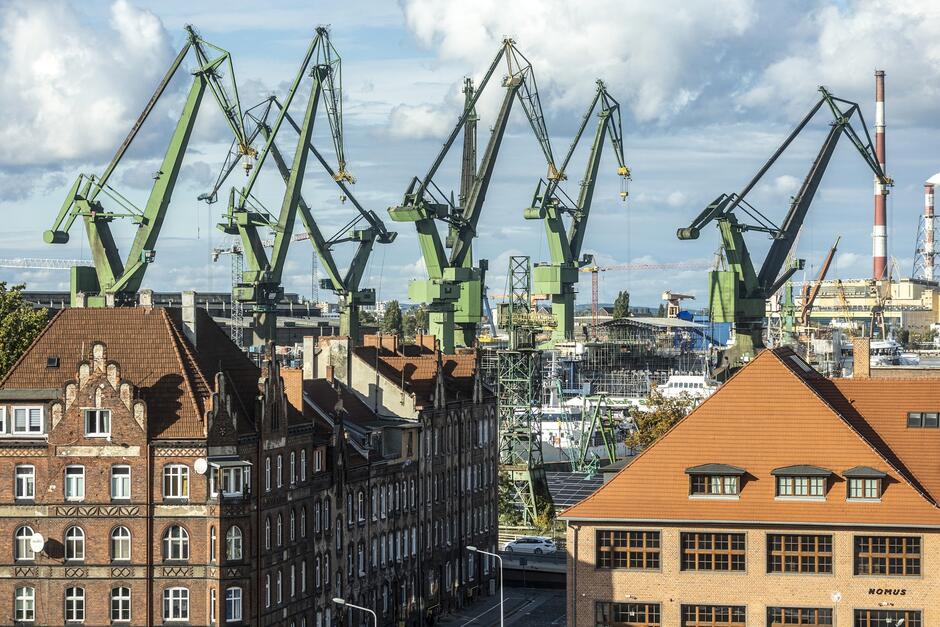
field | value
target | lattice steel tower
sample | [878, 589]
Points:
[519, 394]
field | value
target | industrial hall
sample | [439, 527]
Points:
[155, 474]
[785, 498]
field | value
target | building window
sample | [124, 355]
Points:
[27, 420]
[74, 483]
[361, 506]
[74, 544]
[806, 487]
[799, 554]
[923, 420]
[293, 467]
[712, 551]
[267, 474]
[889, 618]
[120, 482]
[303, 521]
[627, 614]
[317, 460]
[97, 423]
[176, 481]
[233, 604]
[303, 575]
[267, 590]
[176, 604]
[120, 544]
[628, 549]
[293, 520]
[713, 615]
[280, 530]
[120, 604]
[24, 604]
[280, 471]
[175, 543]
[887, 555]
[316, 517]
[864, 488]
[74, 605]
[233, 543]
[267, 532]
[212, 600]
[232, 481]
[279, 587]
[25, 482]
[303, 464]
[806, 616]
[714, 485]
[212, 543]
[22, 548]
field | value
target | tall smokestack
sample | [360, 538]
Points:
[879, 235]
[928, 232]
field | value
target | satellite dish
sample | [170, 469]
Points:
[836, 597]
[37, 543]
[200, 466]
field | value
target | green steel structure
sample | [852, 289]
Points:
[454, 287]
[519, 393]
[551, 204]
[739, 294]
[114, 281]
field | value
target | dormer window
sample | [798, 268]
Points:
[98, 423]
[714, 480]
[923, 420]
[802, 482]
[864, 483]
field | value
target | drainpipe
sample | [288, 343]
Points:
[574, 577]
[150, 513]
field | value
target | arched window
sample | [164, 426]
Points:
[267, 474]
[267, 532]
[303, 575]
[316, 517]
[278, 587]
[267, 590]
[293, 467]
[175, 543]
[280, 471]
[316, 571]
[361, 506]
[75, 604]
[120, 544]
[24, 604]
[280, 530]
[303, 464]
[213, 538]
[303, 521]
[176, 481]
[120, 604]
[233, 543]
[293, 521]
[74, 544]
[360, 558]
[326, 514]
[22, 550]
[326, 569]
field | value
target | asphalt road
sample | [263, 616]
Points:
[524, 607]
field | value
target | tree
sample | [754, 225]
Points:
[392, 323]
[20, 323]
[421, 319]
[661, 312]
[622, 305]
[409, 325]
[657, 416]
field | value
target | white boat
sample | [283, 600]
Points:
[697, 386]
[888, 353]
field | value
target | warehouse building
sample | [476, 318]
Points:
[786, 498]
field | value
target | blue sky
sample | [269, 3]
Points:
[708, 90]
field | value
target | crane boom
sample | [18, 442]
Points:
[810, 293]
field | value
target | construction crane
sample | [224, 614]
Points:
[551, 204]
[34, 263]
[113, 281]
[810, 293]
[739, 294]
[453, 289]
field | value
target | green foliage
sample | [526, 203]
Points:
[367, 317]
[661, 312]
[509, 514]
[622, 305]
[658, 415]
[19, 325]
[392, 323]
[421, 319]
[904, 337]
[415, 322]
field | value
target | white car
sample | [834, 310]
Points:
[530, 544]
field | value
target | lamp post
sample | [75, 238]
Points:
[375, 618]
[476, 550]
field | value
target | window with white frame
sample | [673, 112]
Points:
[74, 605]
[303, 464]
[22, 545]
[293, 467]
[175, 543]
[27, 420]
[267, 532]
[213, 539]
[233, 543]
[293, 520]
[361, 506]
[267, 590]
[279, 588]
[3, 420]
[120, 604]
[75, 544]
[98, 423]
[120, 482]
[176, 604]
[74, 483]
[317, 460]
[120, 544]
[267, 474]
[24, 604]
[280, 530]
[303, 575]
[293, 580]
[176, 481]
[212, 600]
[280, 471]
[232, 480]
[25, 481]
[303, 521]
[233, 604]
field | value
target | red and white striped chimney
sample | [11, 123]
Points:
[928, 231]
[879, 235]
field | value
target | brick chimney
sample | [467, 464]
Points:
[861, 355]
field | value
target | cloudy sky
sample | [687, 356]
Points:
[707, 90]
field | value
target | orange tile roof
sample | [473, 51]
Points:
[772, 414]
[174, 378]
[417, 373]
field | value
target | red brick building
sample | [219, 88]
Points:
[786, 498]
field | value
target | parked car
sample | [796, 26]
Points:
[530, 544]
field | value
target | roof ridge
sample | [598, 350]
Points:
[29, 348]
[183, 369]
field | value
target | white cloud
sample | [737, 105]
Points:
[676, 199]
[655, 52]
[423, 121]
[786, 184]
[847, 261]
[68, 90]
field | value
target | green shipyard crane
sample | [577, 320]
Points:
[454, 287]
[739, 294]
[114, 281]
[551, 204]
[260, 288]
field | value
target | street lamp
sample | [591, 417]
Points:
[340, 601]
[476, 550]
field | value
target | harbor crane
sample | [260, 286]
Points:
[114, 281]
[739, 294]
[551, 204]
[454, 287]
